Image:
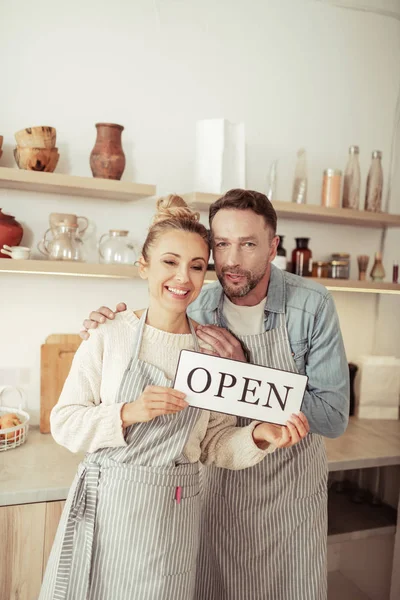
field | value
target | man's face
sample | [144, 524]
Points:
[243, 248]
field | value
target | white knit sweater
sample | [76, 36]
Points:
[87, 418]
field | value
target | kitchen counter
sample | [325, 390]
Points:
[42, 471]
[37, 471]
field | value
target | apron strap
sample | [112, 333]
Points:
[195, 339]
[138, 338]
[83, 508]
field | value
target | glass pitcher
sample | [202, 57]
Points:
[65, 245]
[116, 248]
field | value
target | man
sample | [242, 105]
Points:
[264, 529]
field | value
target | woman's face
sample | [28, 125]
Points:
[175, 269]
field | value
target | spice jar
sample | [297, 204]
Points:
[331, 188]
[302, 258]
[320, 269]
[339, 269]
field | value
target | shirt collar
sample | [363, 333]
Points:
[276, 295]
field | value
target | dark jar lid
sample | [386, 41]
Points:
[302, 242]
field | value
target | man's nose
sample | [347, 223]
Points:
[232, 256]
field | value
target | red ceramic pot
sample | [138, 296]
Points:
[11, 232]
[107, 159]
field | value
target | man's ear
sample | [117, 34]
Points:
[142, 266]
[273, 248]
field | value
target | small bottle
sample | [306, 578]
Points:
[377, 271]
[302, 258]
[373, 193]
[331, 188]
[299, 195]
[395, 277]
[280, 259]
[271, 187]
[352, 180]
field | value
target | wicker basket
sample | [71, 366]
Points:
[17, 435]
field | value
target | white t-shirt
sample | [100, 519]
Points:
[244, 320]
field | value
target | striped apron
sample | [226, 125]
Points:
[264, 529]
[130, 526]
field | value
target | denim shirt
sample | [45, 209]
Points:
[315, 339]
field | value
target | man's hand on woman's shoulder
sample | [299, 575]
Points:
[99, 316]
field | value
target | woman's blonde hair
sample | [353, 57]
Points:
[173, 213]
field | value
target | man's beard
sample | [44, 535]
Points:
[240, 290]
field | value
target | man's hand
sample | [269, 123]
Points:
[223, 343]
[99, 316]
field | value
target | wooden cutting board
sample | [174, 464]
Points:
[56, 356]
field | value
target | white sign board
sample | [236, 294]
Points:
[238, 388]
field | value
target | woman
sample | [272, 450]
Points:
[129, 529]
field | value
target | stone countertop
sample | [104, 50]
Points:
[42, 471]
[37, 471]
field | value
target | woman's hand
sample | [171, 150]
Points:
[282, 436]
[153, 402]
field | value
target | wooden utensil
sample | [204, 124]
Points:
[56, 356]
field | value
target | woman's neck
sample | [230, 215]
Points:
[167, 321]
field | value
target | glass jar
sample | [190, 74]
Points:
[280, 259]
[342, 257]
[320, 269]
[339, 269]
[65, 245]
[331, 188]
[117, 248]
[302, 258]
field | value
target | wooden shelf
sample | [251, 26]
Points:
[342, 285]
[53, 267]
[71, 269]
[55, 183]
[311, 212]
[350, 521]
[366, 287]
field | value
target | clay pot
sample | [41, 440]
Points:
[11, 232]
[36, 159]
[107, 159]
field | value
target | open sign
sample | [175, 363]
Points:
[238, 388]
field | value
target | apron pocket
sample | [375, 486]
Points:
[183, 536]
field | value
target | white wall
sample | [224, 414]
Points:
[297, 72]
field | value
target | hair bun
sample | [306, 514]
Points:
[174, 208]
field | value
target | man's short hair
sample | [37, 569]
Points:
[239, 199]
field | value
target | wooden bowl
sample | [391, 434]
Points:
[36, 137]
[36, 159]
[1, 141]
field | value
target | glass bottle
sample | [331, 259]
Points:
[271, 187]
[352, 180]
[377, 271]
[302, 258]
[280, 259]
[373, 193]
[299, 195]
